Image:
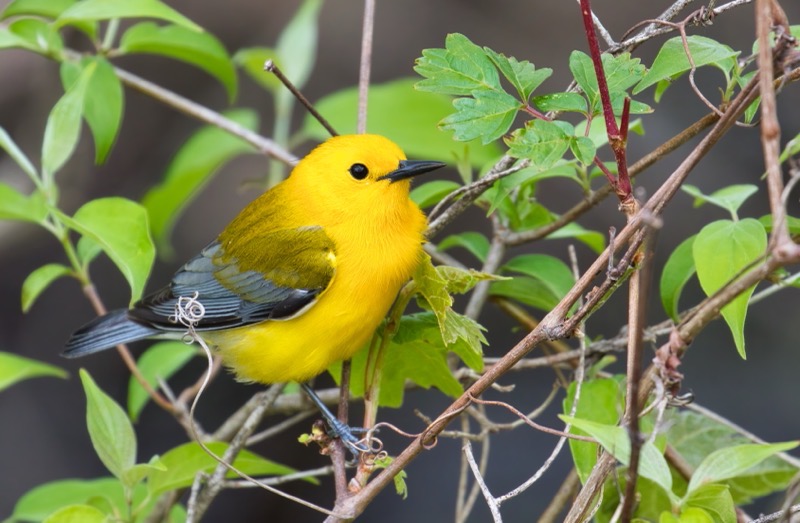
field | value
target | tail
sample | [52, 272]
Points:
[105, 332]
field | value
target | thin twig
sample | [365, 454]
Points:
[494, 507]
[366, 64]
[494, 258]
[778, 516]
[270, 66]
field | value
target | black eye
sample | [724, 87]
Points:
[358, 171]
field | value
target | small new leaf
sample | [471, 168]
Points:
[523, 75]
[542, 142]
[39, 280]
[14, 369]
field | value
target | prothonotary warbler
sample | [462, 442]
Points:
[303, 276]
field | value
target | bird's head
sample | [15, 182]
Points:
[358, 172]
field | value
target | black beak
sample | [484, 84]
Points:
[409, 168]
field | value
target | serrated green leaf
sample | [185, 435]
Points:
[17, 206]
[157, 363]
[183, 462]
[109, 429]
[475, 242]
[523, 75]
[104, 108]
[120, 228]
[672, 61]
[488, 115]
[297, 44]
[200, 49]
[406, 116]
[14, 368]
[677, 272]
[695, 436]
[77, 514]
[570, 102]
[93, 10]
[461, 69]
[39, 280]
[721, 250]
[40, 36]
[461, 281]
[416, 353]
[616, 441]
[729, 198]
[431, 193]
[600, 401]
[621, 73]
[542, 142]
[64, 125]
[44, 8]
[729, 462]
[192, 167]
[715, 500]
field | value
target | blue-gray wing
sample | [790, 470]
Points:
[282, 276]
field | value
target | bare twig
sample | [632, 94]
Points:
[366, 64]
[270, 66]
[494, 507]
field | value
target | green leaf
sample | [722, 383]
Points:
[715, 500]
[695, 436]
[408, 117]
[593, 239]
[44, 8]
[672, 61]
[64, 125]
[615, 439]
[16, 154]
[690, 515]
[39, 280]
[569, 102]
[544, 143]
[77, 514]
[461, 281]
[677, 272]
[430, 193]
[523, 75]
[9, 40]
[583, 148]
[109, 429]
[792, 148]
[621, 72]
[14, 369]
[721, 250]
[461, 69]
[104, 108]
[200, 49]
[40, 36]
[17, 206]
[297, 44]
[729, 198]
[43, 500]
[93, 10]
[137, 473]
[548, 280]
[730, 462]
[159, 362]
[475, 242]
[192, 167]
[416, 353]
[488, 116]
[120, 228]
[183, 462]
[600, 401]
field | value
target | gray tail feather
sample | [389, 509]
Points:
[105, 332]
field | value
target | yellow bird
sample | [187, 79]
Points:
[303, 276]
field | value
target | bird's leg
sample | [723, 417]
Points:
[337, 428]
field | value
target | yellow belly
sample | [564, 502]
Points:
[341, 321]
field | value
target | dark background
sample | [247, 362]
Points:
[43, 435]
